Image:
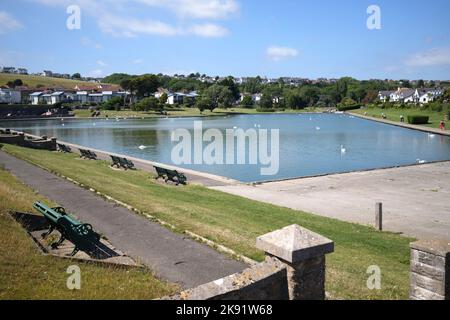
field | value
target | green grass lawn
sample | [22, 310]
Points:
[27, 274]
[33, 81]
[236, 222]
[178, 112]
[394, 114]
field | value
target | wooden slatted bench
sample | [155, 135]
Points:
[170, 175]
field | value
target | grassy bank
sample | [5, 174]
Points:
[236, 222]
[179, 112]
[26, 274]
[394, 114]
[34, 81]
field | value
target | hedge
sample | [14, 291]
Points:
[347, 108]
[417, 119]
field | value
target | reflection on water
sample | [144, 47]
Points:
[304, 150]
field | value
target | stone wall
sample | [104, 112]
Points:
[28, 141]
[294, 269]
[263, 281]
[430, 270]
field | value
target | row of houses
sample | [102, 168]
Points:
[407, 95]
[37, 98]
[13, 70]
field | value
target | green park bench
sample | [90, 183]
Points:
[64, 148]
[122, 163]
[87, 154]
[170, 175]
[80, 234]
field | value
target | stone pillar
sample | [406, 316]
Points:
[430, 270]
[303, 253]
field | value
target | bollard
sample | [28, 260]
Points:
[379, 216]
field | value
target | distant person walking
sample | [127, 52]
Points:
[402, 118]
[442, 125]
[383, 116]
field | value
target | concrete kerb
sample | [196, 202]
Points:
[192, 235]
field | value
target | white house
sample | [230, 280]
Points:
[427, 95]
[36, 98]
[407, 95]
[57, 97]
[175, 98]
[385, 95]
[10, 96]
[403, 95]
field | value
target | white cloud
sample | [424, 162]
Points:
[8, 23]
[280, 53]
[198, 9]
[433, 57]
[123, 27]
[138, 61]
[112, 17]
[208, 30]
[101, 63]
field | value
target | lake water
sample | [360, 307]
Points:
[309, 144]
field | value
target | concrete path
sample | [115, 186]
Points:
[171, 256]
[416, 199]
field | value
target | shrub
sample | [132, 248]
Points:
[418, 119]
[347, 108]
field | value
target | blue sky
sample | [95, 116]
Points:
[301, 38]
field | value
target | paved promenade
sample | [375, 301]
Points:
[416, 199]
[171, 256]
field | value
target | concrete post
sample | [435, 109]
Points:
[379, 216]
[303, 253]
[430, 270]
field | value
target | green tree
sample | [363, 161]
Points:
[163, 99]
[147, 104]
[15, 83]
[421, 84]
[76, 76]
[231, 85]
[146, 85]
[204, 103]
[266, 101]
[247, 102]
[114, 103]
[295, 101]
[219, 96]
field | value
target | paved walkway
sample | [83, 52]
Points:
[404, 125]
[171, 256]
[416, 199]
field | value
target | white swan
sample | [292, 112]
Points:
[421, 161]
[343, 150]
[142, 147]
[317, 128]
